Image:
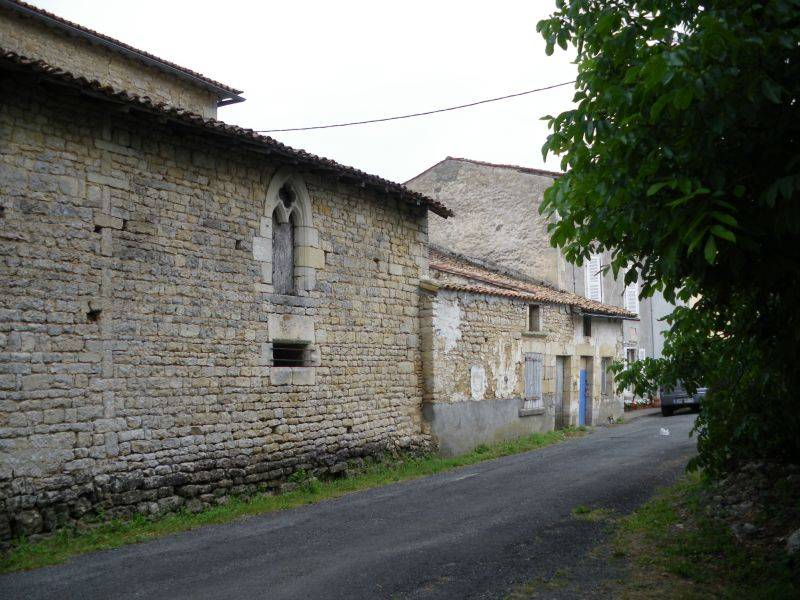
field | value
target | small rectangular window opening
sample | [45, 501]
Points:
[605, 381]
[587, 325]
[288, 354]
[534, 317]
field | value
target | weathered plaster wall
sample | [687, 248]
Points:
[496, 216]
[35, 40]
[135, 372]
[477, 347]
[475, 378]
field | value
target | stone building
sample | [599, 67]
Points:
[497, 219]
[506, 356]
[188, 309]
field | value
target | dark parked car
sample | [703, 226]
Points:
[677, 397]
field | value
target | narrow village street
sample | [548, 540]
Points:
[474, 532]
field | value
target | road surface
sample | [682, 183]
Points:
[474, 532]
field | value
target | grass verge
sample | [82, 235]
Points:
[675, 550]
[24, 554]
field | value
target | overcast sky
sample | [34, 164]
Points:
[317, 62]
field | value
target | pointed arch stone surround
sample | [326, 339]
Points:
[308, 257]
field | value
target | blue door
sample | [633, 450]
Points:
[582, 399]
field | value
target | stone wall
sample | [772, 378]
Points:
[135, 371]
[496, 216]
[36, 40]
[475, 347]
[497, 219]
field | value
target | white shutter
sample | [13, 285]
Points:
[642, 353]
[594, 278]
[632, 297]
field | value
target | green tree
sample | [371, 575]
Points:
[682, 157]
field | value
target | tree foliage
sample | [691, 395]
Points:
[682, 158]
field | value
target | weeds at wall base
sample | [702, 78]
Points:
[67, 543]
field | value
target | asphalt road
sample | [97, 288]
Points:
[474, 532]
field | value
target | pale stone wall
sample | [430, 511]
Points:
[496, 216]
[35, 40]
[135, 369]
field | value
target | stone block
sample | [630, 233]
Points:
[306, 236]
[280, 375]
[262, 249]
[291, 328]
[303, 375]
[104, 220]
[306, 256]
[265, 227]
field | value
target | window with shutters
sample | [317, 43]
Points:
[642, 353]
[594, 278]
[533, 381]
[632, 297]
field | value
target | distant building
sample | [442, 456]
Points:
[497, 219]
[505, 356]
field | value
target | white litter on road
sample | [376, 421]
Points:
[664, 431]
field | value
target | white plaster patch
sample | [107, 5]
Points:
[447, 322]
[477, 382]
[507, 359]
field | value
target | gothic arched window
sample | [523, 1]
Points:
[288, 247]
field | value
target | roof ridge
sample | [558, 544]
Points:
[51, 19]
[531, 170]
[188, 118]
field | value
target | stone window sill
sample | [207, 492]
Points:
[530, 412]
[292, 376]
[534, 334]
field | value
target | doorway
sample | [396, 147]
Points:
[562, 392]
[585, 392]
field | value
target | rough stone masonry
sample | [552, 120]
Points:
[137, 318]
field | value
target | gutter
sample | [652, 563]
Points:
[606, 316]
[226, 96]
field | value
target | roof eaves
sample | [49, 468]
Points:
[240, 134]
[542, 292]
[228, 95]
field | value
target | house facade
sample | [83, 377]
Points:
[189, 310]
[497, 219]
[506, 356]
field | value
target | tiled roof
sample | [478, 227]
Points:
[120, 47]
[246, 137]
[494, 282]
[487, 289]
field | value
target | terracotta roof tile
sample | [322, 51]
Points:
[109, 42]
[489, 281]
[211, 126]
